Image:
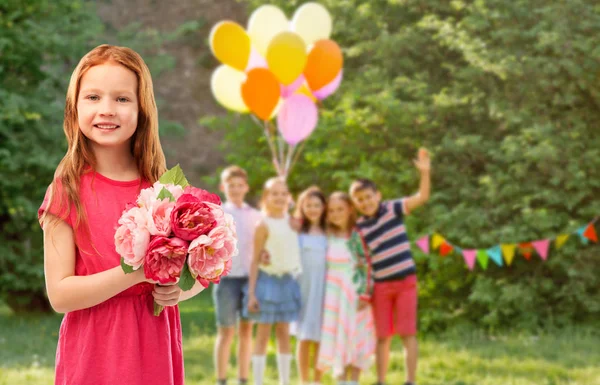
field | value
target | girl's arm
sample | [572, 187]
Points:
[423, 164]
[260, 239]
[68, 292]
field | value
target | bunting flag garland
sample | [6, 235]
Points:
[445, 249]
[561, 240]
[590, 233]
[504, 253]
[483, 259]
[495, 254]
[509, 253]
[423, 244]
[470, 256]
[542, 248]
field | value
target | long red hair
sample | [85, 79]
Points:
[145, 142]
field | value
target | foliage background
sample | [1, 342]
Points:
[506, 95]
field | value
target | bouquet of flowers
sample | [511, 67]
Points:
[177, 233]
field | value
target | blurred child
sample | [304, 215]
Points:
[228, 295]
[348, 335]
[273, 294]
[311, 211]
[386, 248]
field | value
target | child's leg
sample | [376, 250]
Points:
[284, 356]
[303, 358]
[382, 356]
[244, 348]
[354, 375]
[406, 323]
[225, 296]
[259, 359]
[384, 294]
[411, 352]
[223, 350]
[313, 363]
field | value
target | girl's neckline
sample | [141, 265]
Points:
[114, 182]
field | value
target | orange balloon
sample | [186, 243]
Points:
[323, 64]
[261, 92]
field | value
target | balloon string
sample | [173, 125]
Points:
[296, 156]
[271, 144]
[288, 159]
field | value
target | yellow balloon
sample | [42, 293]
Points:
[226, 86]
[264, 23]
[312, 22]
[286, 57]
[230, 44]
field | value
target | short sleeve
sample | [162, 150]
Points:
[56, 203]
[399, 207]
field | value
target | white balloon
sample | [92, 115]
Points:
[264, 23]
[312, 22]
[226, 85]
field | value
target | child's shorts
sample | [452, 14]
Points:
[278, 299]
[395, 307]
[228, 296]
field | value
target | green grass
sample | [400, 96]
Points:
[27, 347]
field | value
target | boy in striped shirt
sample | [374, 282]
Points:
[392, 282]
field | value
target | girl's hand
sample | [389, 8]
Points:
[362, 304]
[167, 295]
[265, 258]
[423, 162]
[253, 306]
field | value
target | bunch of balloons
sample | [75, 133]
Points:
[278, 68]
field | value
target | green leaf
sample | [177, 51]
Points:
[126, 268]
[175, 176]
[186, 281]
[164, 193]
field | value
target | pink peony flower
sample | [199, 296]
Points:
[165, 258]
[132, 236]
[203, 195]
[191, 218]
[159, 217]
[210, 255]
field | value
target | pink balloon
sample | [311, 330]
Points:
[256, 61]
[329, 88]
[287, 91]
[297, 118]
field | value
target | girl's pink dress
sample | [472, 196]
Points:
[118, 341]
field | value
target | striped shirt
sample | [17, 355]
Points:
[384, 234]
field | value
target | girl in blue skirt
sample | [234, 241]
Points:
[273, 294]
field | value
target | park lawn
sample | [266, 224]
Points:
[27, 347]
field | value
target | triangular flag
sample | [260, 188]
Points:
[423, 244]
[542, 248]
[436, 241]
[469, 256]
[590, 233]
[509, 253]
[445, 249]
[495, 253]
[580, 231]
[561, 240]
[482, 257]
[526, 248]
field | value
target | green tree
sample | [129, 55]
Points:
[506, 96]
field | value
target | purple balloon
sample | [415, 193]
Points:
[256, 61]
[329, 88]
[297, 118]
[287, 91]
